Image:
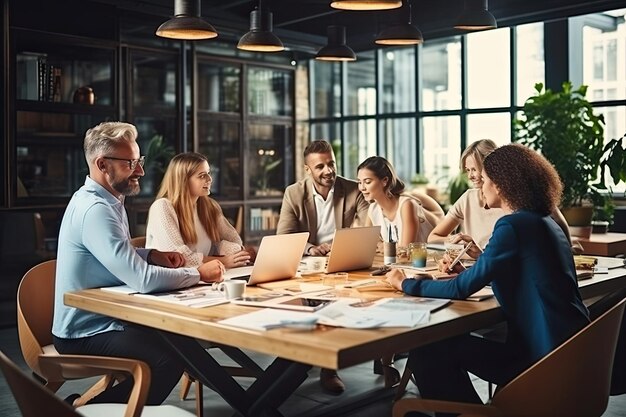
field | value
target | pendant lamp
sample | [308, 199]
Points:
[260, 38]
[400, 34]
[366, 4]
[336, 48]
[476, 16]
[186, 23]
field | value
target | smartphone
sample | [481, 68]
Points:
[459, 256]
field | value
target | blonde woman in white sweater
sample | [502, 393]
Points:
[185, 219]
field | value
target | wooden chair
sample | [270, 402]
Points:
[34, 400]
[572, 380]
[247, 368]
[35, 306]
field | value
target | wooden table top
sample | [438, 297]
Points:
[327, 347]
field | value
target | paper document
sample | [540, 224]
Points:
[269, 318]
[123, 289]
[195, 297]
[481, 294]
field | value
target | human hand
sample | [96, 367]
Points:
[474, 251]
[241, 258]
[321, 250]
[212, 271]
[166, 259]
[251, 251]
[444, 265]
[395, 278]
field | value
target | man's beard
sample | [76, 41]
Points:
[127, 187]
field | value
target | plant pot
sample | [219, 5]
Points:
[579, 220]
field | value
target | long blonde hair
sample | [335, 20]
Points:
[175, 187]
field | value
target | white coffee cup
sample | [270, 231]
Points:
[314, 263]
[233, 288]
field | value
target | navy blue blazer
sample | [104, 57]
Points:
[531, 270]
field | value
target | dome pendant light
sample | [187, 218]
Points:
[336, 48]
[260, 38]
[401, 34]
[186, 23]
[476, 16]
[366, 4]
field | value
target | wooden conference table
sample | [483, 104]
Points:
[296, 350]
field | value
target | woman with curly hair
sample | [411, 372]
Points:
[529, 265]
[185, 219]
[471, 212]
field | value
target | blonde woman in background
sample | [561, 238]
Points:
[185, 219]
[470, 211]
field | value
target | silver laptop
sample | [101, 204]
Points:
[278, 258]
[353, 248]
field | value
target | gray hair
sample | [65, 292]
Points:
[103, 139]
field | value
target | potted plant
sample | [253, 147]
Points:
[158, 155]
[614, 159]
[564, 128]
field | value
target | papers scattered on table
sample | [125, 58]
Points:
[351, 313]
[123, 289]
[196, 296]
[269, 318]
[430, 266]
[481, 294]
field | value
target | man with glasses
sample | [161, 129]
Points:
[95, 251]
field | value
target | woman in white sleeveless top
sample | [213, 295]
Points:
[404, 218]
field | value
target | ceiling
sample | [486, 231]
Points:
[301, 24]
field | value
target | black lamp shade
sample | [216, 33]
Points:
[366, 4]
[401, 34]
[476, 16]
[186, 23]
[260, 38]
[336, 48]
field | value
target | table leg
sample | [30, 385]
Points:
[207, 370]
[275, 385]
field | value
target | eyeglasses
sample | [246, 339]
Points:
[132, 163]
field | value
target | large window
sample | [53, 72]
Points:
[397, 80]
[488, 69]
[420, 106]
[604, 70]
[440, 71]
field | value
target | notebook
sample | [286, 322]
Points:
[353, 248]
[278, 258]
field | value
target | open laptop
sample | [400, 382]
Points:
[353, 248]
[278, 258]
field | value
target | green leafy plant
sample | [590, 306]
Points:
[614, 159]
[267, 165]
[419, 178]
[158, 155]
[564, 128]
[457, 186]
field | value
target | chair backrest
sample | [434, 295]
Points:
[572, 380]
[32, 397]
[35, 307]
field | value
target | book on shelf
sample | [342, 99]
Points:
[28, 70]
[263, 219]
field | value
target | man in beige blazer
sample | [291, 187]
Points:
[320, 204]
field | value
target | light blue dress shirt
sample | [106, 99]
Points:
[95, 251]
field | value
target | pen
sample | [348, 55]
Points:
[184, 297]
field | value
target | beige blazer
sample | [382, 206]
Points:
[297, 213]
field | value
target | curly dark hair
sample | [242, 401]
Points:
[525, 179]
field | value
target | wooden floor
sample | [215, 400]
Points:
[309, 400]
